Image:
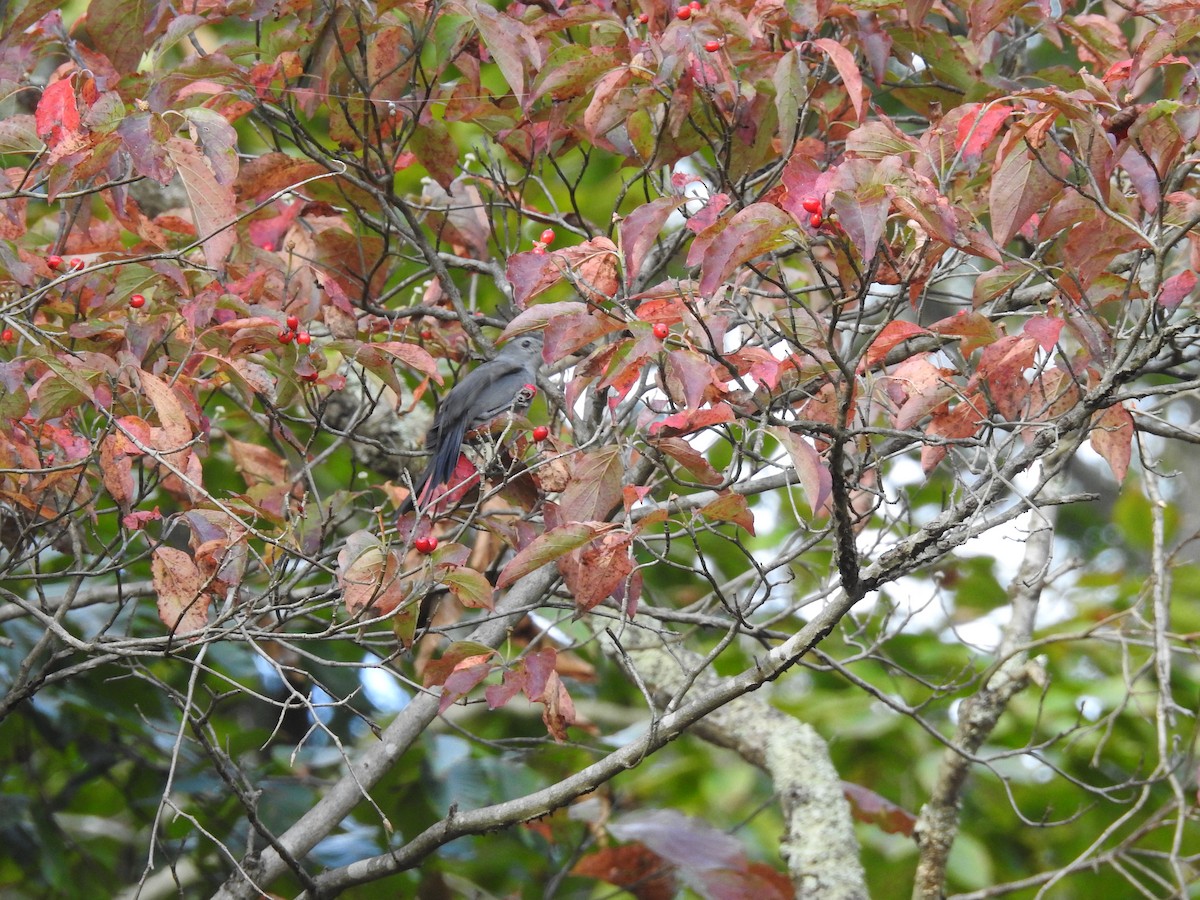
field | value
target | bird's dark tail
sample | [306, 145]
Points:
[439, 470]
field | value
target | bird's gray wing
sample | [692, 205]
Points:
[481, 396]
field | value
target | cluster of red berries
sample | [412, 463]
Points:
[55, 262]
[303, 338]
[544, 240]
[816, 212]
[684, 13]
[426, 545]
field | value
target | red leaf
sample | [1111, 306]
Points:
[976, 330]
[212, 203]
[961, 422]
[692, 420]
[1176, 288]
[598, 569]
[57, 114]
[669, 310]
[1143, 178]
[1021, 187]
[1112, 438]
[640, 230]
[812, 470]
[510, 42]
[917, 387]
[437, 671]
[466, 675]
[559, 710]
[759, 364]
[978, 129]
[411, 355]
[863, 215]
[591, 265]
[634, 867]
[118, 28]
[755, 230]
[1045, 330]
[843, 61]
[437, 151]
[691, 378]
[1002, 368]
[216, 139]
[690, 458]
[730, 507]
[539, 667]
[895, 332]
[709, 214]
[595, 486]
[137, 520]
[868, 806]
[116, 471]
[498, 695]
[569, 332]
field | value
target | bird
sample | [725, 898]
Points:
[487, 392]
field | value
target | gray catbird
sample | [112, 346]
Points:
[483, 395]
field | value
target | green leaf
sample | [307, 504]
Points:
[546, 548]
[470, 587]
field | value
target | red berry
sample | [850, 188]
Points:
[137, 301]
[815, 220]
[661, 330]
[427, 335]
[310, 376]
[712, 46]
[76, 263]
[426, 545]
[285, 337]
[683, 13]
[541, 433]
[644, 18]
[548, 236]
[293, 322]
[696, 5]
[6, 335]
[539, 251]
[54, 261]
[304, 338]
[267, 245]
[811, 205]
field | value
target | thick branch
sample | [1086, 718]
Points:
[978, 715]
[819, 842]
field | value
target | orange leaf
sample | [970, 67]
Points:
[182, 604]
[1112, 438]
